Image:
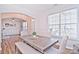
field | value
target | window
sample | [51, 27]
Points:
[24, 26]
[65, 22]
[54, 24]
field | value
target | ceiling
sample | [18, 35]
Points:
[26, 8]
[29, 9]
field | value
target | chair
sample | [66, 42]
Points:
[75, 49]
[62, 46]
[23, 33]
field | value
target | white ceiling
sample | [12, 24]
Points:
[30, 9]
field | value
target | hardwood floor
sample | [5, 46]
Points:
[9, 45]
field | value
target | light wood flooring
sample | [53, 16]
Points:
[8, 49]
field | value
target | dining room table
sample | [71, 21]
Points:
[39, 43]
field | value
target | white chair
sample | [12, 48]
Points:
[75, 49]
[62, 46]
[24, 32]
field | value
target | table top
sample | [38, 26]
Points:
[25, 49]
[40, 43]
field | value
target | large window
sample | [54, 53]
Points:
[64, 23]
[54, 24]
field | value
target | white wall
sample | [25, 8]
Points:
[41, 23]
[0, 26]
[0, 31]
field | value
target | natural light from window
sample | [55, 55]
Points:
[64, 22]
